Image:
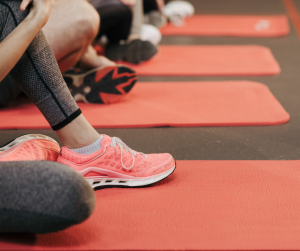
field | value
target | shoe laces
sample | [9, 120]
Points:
[118, 142]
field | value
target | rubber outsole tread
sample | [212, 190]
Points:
[108, 84]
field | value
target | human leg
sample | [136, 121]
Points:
[138, 19]
[42, 197]
[37, 73]
[84, 86]
[134, 50]
[116, 19]
[70, 31]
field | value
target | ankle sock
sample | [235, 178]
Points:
[89, 149]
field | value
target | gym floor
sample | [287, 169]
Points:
[225, 143]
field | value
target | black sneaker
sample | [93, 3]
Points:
[103, 85]
[148, 50]
[134, 52]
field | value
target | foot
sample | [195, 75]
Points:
[103, 85]
[177, 11]
[30, 147]
[134, 52]
[91, 60]
[115, 164]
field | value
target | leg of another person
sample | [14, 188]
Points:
[37, 73]
[116, 19]
[134, 50]
[70, 31]
[153, 15]
[138, 19]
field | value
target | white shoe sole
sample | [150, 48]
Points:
[23, 139]
[134, 182]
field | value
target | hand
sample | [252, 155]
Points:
[40, 10]
[128, 2]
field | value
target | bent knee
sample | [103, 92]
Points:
[88, 19]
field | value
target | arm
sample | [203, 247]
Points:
[11, 49]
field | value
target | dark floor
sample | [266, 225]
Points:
[226, 143]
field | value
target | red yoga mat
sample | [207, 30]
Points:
[229, 25]
[210, 60]
[224, 103]
[203, 205]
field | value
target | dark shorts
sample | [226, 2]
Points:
[9, 90]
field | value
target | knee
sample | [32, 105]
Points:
[88, 20]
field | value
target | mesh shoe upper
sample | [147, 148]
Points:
[32, 149]
[110, 157]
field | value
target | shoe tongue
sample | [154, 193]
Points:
[106, 140]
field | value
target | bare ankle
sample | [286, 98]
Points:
[91, 60]
[79, 133]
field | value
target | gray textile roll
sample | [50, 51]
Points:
[42, 197]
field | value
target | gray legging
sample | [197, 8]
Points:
[37, 72]
[42, 197]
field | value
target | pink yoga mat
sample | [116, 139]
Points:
[231, 25]
[210, 60]
[203, 205]
[178, 104]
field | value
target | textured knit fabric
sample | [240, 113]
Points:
[42, 197]
[37, 72]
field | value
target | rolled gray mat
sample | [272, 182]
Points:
[42, 197]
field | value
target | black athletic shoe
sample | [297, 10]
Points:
[148, 50]
[103, 85]
[134, 52]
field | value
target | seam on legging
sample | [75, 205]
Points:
[57, 91]
[34, 67]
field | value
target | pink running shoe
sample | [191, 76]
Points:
[30, 147]
[115, 164]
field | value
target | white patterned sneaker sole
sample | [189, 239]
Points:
[23, 139]
[132, 182]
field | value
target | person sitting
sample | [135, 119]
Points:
[70, 32]
[122, 27]
[100, 159]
